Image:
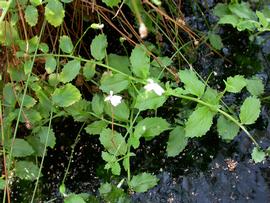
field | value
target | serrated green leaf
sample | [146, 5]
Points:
[211, 96]
[215, 41]
[98, 47]
[149, 100]
[27, 67]
[21, 148]
[246, 25]
[242, 10]
[143, 182]
[250, 110]
[120, 63]
[26, 170]
[96, 127]
[150, 127]
[199, 122]
[31, 15]
[229, 19]
[115, 168]
[73, 198]
[38, 147]
[54, 12]
[111, 3]
[46, 134]
[70, 71]
[226, 128]
[80, 110]
[235, 84]
[28, 101]
[108, 157]
[177, 141]
[65, 44]
[221, 10]
[89, 70]
[50, 64]
[255, 86]
[192, 84]
[31, 116]
[66, 95]
[119, 112]
[9, 96]
[113, 141]
[98, 104]
[257, 155]
[113, 82]
[140, 62]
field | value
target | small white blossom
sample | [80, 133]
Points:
[113, 99]
[143, 30]
[97, 26]
[152, 86]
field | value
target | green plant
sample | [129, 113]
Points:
[121, 113]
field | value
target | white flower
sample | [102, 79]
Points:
[143, 30]
[113, 99]
[152, 86]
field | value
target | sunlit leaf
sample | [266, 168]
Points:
[235, 84]
[149, 100]
[250, 110]
[255, 86]
[50, 64]
[226, 128]
[66, 95]
[26, 170]
[199, 122]
[143, 182]
[54, 12]
[257, 155]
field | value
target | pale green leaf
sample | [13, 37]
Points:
[150, 127]
[226, 128]
[246, 25]
[199, 122]
[262, 19]
[108, 157]
[26, 170]
[111, 3]
[28, 101]
[43, 47]
[50, 64]
[31, 116]
[98, 47]
[229, 19]
[38, 147]
[54, 12]
[113, 82]
[89, 70]
[211, 96]
[73, 198]
[257, 155]
[66, 95]
[31, 15]
[96, 127]
[113, 141]
[119, 112]
[250, 110]
[255, 86]
[177, 141]
[235, 84]
[98, 104]
[120, 63]
[215, 41]
[140, 62]
[36, 2]
[54, 79]
[21, 148]
[47, 136]
[143, 182]
[27, 67]
[149, 100]
[70, 71]
[192, 84]
[65, 44]
[221, 10]
[242, 10]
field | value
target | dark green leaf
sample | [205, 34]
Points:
[80, 110]
[113, 82]
[98, 47]
[215, 41]
[229, 19]
[21, 148]
[120, 63]
[226, 128]
[119, 112]
[221, 10]
[250, 110]
[96, 127]
[143, 182]
[177, 141]
[98, 104]
[26, 170]
[70, 71]
[140, 62]
[89, 70]
[149, 100]
[66, 95]
[2, 184]
[199, 122]
[50, 64]
[47, 137]
[150, 127]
